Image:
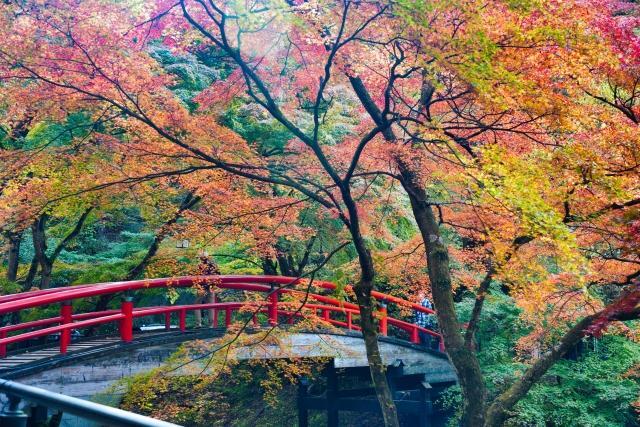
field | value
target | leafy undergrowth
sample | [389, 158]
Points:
[251, 394]
[236, 398]
[596, 384]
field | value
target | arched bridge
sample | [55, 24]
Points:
[284, 299]
[257, 302]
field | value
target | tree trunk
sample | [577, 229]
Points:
[269, 267]
[45, 275]
[367, 321]
[376, 366]
[13, 256]
[285, 264]
[31, 275]
[462, 354]
[40, 249]
[464, 360]
[40, 246]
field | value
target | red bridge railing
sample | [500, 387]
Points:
[313, 304]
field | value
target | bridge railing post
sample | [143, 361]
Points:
[349, 320]
[415, 337]
[214, 311]
[3, 347]
[441, 344]
[66, 313]
[227, 317]
[167, 321]
[384, 325]
[126, 324]
[273, 307]
[182, 320]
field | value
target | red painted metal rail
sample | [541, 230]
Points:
[282, 298]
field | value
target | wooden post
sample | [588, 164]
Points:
[273, 307]
[126, 324]
[66, 312]
[227, 317]
[182, 319]
[167, 321]
[303, 412]
[3, 347]
[214, 312]
[213, 322]
[383, 319]
[415, 338]
[424, 417]
[332, 396]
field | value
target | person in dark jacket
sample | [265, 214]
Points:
[427, 321]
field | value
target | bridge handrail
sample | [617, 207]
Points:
[109, 316]
[272, 285]
[50, 320]
[22, 301]
[82, 408]
[60, 328]
[19, 295]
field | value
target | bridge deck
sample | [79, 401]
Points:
[52, 351]
[346, 348]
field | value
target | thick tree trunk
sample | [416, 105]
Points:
[45, 275]
[376, 366]
[269, 267]
[13, 256]
[367, 321]
[284, 263]
[464, 360]
[40, 247]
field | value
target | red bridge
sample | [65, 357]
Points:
[277, 299]
[79, 368]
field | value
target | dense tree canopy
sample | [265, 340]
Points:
[479, 151]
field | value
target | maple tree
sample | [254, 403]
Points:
[502, 123]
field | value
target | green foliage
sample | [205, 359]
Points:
[268, 136]
[98, 273]
[53, 134]
[590, 391]
[7, 286]
[191, 75]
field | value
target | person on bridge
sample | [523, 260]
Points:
[427, 321]
[206, 267]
